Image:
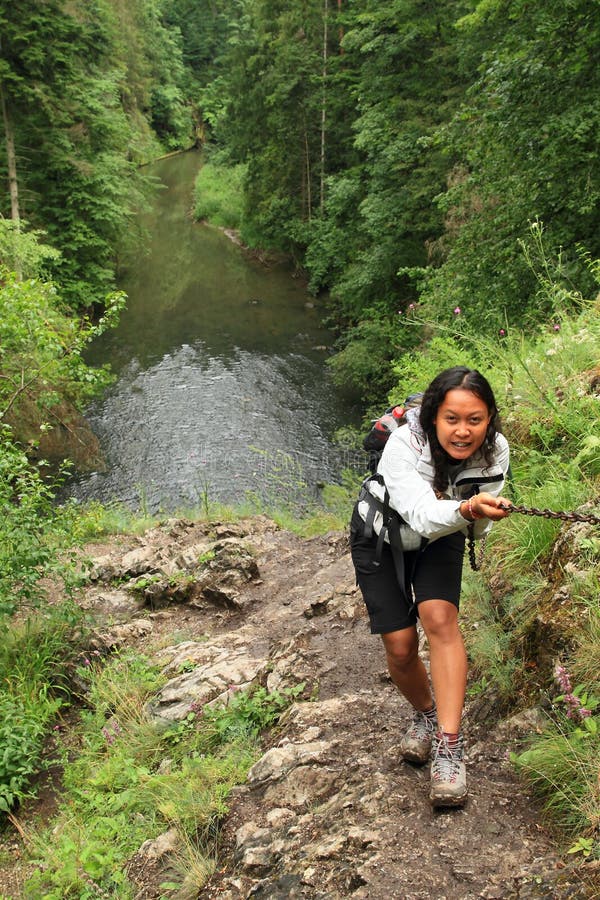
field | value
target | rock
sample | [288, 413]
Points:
[206, 683]
[109, 603]
[280, 760]
[280, 816]
[164, 844]
[302, 785]
[193, 556]
[119, 635]
[527, 722]
[103, 569]
[138, 562]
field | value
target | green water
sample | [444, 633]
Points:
[222, 385]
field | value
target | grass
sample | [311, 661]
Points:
[36, 655]
[562, 768]
[131, 781]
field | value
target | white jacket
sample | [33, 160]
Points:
[407, 469]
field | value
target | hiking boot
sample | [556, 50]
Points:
[415, 746]
[448, 773]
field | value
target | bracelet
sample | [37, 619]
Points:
[472, 512]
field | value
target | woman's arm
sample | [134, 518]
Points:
[416, 501]
[411, 495]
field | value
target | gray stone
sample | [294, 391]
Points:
[164, 844]
[278, 761]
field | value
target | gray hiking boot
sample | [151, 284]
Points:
[415, 746]
[448, 773]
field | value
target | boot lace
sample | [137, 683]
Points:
[447, 759]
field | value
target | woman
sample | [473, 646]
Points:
[440, 474]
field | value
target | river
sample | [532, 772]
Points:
[222, 392]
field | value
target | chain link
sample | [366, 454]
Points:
[475, 559]
[552, 514]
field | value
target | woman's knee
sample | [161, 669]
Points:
[401, 647]
[439, 619]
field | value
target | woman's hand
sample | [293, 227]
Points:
[486, 506]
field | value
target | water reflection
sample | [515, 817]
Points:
[222, 385]
[194, 425]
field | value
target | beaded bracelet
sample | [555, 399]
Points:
[472, 512]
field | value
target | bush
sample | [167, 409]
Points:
[218, 195]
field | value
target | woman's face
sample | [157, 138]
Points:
[461, 423]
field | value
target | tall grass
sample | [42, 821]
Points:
[36, 655]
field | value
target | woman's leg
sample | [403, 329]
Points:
[406, 667]
[448, 661]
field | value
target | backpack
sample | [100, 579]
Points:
[381, 428]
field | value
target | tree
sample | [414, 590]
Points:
[527, 138]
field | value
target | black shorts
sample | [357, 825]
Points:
[433, 573]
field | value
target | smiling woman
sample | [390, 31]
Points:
[461, 423]
[440, 473]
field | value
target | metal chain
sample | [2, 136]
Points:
[475, 560]
[552, 514]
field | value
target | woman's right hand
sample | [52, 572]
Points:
[486, 506]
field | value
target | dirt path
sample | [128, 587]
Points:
[331, 811]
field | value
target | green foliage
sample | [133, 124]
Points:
[365, 363]
[526, 136]
[562, 768]
[219, 196]
[40, 347]
[83, 85]
[121, 791]
[22, 733]
[32, 532]
[35, 656]
[23, 250]
[247, 713]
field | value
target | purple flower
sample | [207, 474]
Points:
[502, 332]
[561, 676]
[556, 326]
[457, 310]
[411, 305]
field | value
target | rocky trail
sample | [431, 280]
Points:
[330, 810]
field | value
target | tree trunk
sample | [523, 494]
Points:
[13, 184]
[324, 103]
[307, 175]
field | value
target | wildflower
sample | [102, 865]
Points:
[561, 676]
[109, 737]
[502, 332]
[412, 305]
[556, 326]
[457, 310]
[86, 662]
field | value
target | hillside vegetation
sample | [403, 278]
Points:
[433, 170]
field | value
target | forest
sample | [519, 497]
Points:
[430, 168]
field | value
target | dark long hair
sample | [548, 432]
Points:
[464, 379]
